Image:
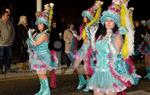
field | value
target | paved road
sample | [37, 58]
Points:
[26, 83]
[66, 85]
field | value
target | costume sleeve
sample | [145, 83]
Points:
[30, 31]
[91, 31]
[113, 48]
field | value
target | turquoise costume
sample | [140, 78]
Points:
[86, 54]
[81, 54]
[39, 56]
[145, 46]
[145, 50]
[86, 51]
[73, 49]
[111, 74]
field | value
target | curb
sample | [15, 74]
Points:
[30, 74]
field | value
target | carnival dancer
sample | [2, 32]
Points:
[128, 46]
[48, 8]
[84, 52]
[111, 74]
[145, 49]
[39, 54]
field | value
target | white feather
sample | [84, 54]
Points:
[130, 35]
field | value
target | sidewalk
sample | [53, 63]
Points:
[21, 74]
[139, 92]
[14, 80]
[27, 73]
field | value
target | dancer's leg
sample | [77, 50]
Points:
[53, 79]
[147, 63]
[44, 85]
[82, 80]
[98, 93]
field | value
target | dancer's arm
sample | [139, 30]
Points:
[118, 42]
[41, 39]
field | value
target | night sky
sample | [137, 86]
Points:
[71, 8]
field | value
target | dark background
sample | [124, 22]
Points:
[70, 9]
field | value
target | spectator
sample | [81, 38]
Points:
[139, 29]
[7, 35]
[55, 36]
[69, 41]
[21, 37]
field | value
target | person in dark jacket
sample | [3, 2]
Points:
[21, 37]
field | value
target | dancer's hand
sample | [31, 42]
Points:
[30, 31]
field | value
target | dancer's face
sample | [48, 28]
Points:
[85, 20]
[109, 24]
[41, 26]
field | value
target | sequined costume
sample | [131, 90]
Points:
[111, 74]
[39, 56]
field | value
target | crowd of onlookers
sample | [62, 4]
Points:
[13, 36]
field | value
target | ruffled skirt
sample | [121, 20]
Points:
[43, 61]
[112, 77]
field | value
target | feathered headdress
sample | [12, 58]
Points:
[51, 14]
[90, 13]
[93, 14]
[42, 18]
[45, 16]
[127, 23]
[112, 13]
